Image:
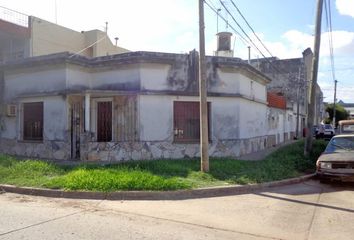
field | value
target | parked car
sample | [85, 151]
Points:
[346, 126]
[325, 131]
[337, 161]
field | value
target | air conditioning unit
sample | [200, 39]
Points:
[11, 110]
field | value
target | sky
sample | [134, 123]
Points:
[286, 28]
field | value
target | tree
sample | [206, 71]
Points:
[341, 113]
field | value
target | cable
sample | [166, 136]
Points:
[275, 68]
[99, 40]
[330, 39]
[238, 10]
[244, 41]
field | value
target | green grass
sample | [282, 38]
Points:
[161, 175]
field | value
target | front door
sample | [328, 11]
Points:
[104, 121]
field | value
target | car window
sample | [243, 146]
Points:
[328, 127]
[348, 128]
[340, 144]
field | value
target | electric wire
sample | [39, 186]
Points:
[254, 33]
[249, 39]
[330, 39]
[214, 9]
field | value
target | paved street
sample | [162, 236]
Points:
[307, 210]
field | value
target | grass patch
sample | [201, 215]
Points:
[160, 175]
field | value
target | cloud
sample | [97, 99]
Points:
[345, 7]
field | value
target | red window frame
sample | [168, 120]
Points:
[186, 121]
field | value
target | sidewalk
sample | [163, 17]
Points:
[260, 155]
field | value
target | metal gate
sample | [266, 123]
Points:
[76, 128]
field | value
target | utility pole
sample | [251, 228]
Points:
[334, 103]
[298, 104]
[204, 157]
[316, 53]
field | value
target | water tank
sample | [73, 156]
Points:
[224, 44]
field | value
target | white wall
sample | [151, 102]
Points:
[33, 83]
[55, 119]
[231, 118]
[125, 78]
[153, 76]
[229, 82]
[156, 117]
[253, 117]
[233, 82]
[77, 78]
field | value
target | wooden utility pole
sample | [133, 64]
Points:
[204, 155]
[316, 54]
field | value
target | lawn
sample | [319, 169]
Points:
[287, 162]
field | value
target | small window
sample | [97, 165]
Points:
[187, 121]
[104, 121]
[33, 121]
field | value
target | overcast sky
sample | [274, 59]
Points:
[286, 27]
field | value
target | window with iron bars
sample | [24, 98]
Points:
[186, 120]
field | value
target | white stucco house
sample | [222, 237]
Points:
[136, 105]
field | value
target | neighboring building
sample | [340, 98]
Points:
[24, 36]
[291, 78]
[281, 122]
[348, 107]
[137, 105]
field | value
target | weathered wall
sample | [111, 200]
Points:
[55, 144]
[28, 82]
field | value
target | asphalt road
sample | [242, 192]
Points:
[308, 210]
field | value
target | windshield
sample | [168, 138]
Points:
[340, 144]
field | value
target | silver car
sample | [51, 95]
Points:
[337, 161]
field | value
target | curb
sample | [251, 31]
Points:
[154, 195]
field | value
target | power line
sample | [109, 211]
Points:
[238, 10]
[214, 9]
[330, 39]
[250, 40]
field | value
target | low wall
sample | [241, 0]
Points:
[58, 150]
[122, 151]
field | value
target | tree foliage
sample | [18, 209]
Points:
[341, 113]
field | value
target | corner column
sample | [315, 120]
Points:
[87, 111]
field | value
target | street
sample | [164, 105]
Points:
[308, 210]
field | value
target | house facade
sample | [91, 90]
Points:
[137, 105]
